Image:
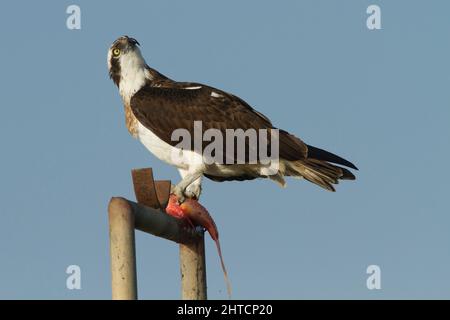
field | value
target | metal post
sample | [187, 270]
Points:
[148, 216]
[122, 250]
[193, 270]
[192, 250]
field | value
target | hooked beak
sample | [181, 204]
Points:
[132, 41]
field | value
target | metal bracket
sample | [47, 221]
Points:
[150, 193]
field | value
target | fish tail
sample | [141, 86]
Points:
[224, 269]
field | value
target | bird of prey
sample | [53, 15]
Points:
[155, 106]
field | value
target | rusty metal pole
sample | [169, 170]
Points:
[192, 253]
[193, 270]
[122, 250]
[148, 215]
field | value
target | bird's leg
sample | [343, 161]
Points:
[180, 189]
[194, 190]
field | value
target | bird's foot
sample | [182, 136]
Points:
[193, 191]
[178, 192]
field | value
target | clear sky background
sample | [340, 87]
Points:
[379, 98]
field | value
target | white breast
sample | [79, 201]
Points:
[182, 159]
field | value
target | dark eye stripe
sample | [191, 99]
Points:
[114, 72]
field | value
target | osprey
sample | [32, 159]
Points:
[156, 106]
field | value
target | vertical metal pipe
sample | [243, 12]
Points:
[193, 270]
[122, 250]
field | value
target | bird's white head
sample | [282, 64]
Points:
[127, 68]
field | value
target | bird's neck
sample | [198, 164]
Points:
[132, 80]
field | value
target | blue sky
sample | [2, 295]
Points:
[379, 98]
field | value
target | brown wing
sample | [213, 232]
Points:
[174, 106]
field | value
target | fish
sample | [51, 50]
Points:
[197, 215]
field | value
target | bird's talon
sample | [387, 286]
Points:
[179, 194]
[181, 199]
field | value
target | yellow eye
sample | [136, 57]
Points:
[116, 52]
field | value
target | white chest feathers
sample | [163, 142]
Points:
[182, 159]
